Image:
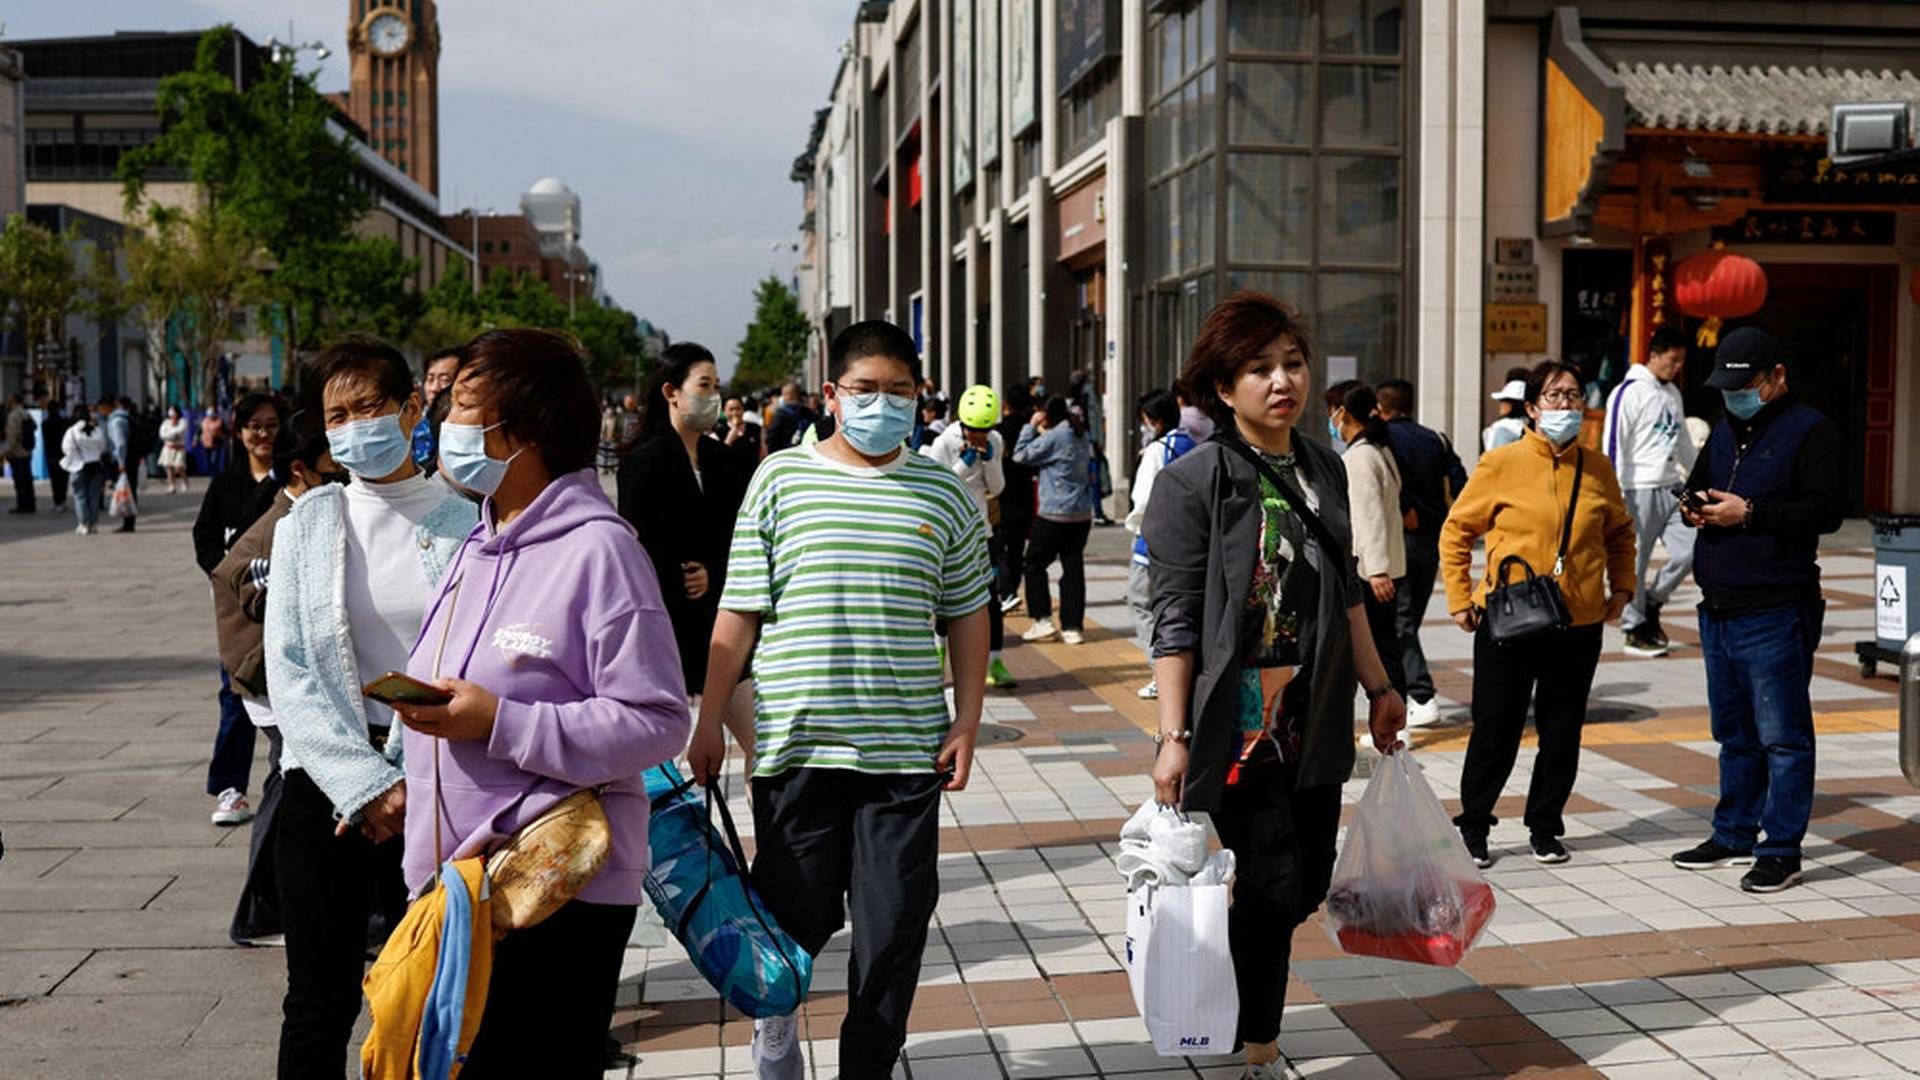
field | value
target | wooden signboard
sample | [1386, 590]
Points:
[1516, 328]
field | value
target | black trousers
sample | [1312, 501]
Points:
[1066, 541]
[258, 912]
[21, 469]
[550, 1000]
[1410, 606]
[57, 480]
[830, 842]
[1010, 547]
[1282, 838]
[1383, 625]
[328, 886]
[1554, 673]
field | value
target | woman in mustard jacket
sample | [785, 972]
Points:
[1517, 502]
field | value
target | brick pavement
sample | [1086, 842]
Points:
[115, 893]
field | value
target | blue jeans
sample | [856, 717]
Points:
[232, 763]
[88, 486]
[1759, 665]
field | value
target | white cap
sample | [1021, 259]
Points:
[1513, 391]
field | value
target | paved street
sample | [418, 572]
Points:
[115, 892]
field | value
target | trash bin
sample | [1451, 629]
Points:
[1896, 574]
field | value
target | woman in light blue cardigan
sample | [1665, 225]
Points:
[353, 570]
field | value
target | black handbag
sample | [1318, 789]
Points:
[1523, 609]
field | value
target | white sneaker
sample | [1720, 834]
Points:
[1151, 691]
[79, 530]
[1041, 630]
[1423, 713]
[233, 809]
[1010, 605]
[1072, 637]
[776, 1049]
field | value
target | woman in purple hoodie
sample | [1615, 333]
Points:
[550, 633]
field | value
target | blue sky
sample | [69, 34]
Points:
[677, 122]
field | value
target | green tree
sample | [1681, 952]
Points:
[610, 336]
[776, 341]
[155, 287]
[40, 278]
[195, 273]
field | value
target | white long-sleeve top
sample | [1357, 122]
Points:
[1646, 432]
[1373, 495]
[985, 476]
[80, 448]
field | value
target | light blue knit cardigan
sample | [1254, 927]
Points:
[309, 650]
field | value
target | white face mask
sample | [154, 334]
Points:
[702, 410]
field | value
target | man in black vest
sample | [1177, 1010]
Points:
[1764, 489]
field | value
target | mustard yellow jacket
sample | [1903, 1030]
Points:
[1517, 501]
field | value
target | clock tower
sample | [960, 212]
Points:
[394, 89]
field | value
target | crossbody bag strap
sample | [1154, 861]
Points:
[1287, 488]
[1566, 529]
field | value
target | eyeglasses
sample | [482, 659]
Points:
[864, 396]
[1562, 397]
[263, 430]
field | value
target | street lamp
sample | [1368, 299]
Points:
[473, 216]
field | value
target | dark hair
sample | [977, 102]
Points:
[1394, 396]
[1516, 373]
[457, 353]
[1357, 398]
[677, 362]
[1238, 329]
[1159, 407]
[1667, 337]
[359, 356]
[934, 405]
[537, 383]
[1018, 400]
[1543, 371]
[126, 402]
[251, 403]
[303, 439]
[875, 337]
[1058, 410]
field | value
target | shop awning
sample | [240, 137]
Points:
[1750, 100]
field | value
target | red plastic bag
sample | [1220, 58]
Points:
[1404, 887]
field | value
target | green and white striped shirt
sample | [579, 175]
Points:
[848, 567]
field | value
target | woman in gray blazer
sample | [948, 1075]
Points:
[1260, 636]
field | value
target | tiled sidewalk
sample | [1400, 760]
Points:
[1615, 964]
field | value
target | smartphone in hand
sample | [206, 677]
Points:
[395, 688]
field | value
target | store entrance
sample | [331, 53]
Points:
[1836, 322]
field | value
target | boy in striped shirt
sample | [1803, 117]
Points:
[844, 553]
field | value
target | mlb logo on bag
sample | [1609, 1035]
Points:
[1195, 1041]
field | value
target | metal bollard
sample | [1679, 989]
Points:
[1910, 710]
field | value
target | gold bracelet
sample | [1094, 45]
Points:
[1160, 738]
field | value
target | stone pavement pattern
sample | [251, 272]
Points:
[115, 892]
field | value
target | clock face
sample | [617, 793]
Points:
[388, 34]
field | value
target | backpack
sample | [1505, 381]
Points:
[143, 437]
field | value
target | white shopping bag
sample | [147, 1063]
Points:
[1180, 968]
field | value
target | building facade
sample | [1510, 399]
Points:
[542, 242]
[393, 86]
[1444, 190]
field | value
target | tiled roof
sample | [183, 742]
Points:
[1769, 101]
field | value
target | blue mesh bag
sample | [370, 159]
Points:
[699, 885]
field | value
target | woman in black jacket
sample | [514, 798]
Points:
[1259, 634]
[681, 489]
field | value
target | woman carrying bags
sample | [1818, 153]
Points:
[550, 634]
[1550, 507]
[1259, 640]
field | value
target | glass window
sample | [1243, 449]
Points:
[1267, 25]
[1207, 111]
[1190, 37]
[1361, 27]
[1190, 220]
[1360, 209]
[1167, 38]
[1359, 315]
[1157, 258]
[1267, 207]
[1206, 9]
[1190, 119]
[1160, 129]
[1291, 286]
[1359, 106]
[1268, 104]
[1200, 180]
[1175, 206]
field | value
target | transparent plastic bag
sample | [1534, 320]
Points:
[1404, 887]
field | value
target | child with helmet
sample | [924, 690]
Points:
[976, 453]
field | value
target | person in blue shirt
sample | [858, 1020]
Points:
[441, 368]
[1430, 475]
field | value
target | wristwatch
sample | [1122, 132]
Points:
[1161, 738]
[1376, 695]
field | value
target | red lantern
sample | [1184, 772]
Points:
[1719, 285]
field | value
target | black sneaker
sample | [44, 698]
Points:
[1642, 642]
[1771, 873]
[1655, 632]
[1477, 847]
[1711, 856]
[1549, 849]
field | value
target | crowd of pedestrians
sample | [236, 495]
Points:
[821, 576]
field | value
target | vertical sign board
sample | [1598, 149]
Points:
[1089, 33]
[1890, 602]
[962, 95]
[989, 144]
[1023, 66]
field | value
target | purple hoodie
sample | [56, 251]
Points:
[559, 616]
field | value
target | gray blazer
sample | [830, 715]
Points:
[1203, 528]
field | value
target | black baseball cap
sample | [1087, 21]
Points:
[1744, 355]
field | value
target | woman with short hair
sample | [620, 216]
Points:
[550, 635]
[1520, 500]
[1260, 640]
[1373, 491]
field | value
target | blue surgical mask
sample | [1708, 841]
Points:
[1743, 403]
[371, 448]
[1333, 432]
[463, 454]
[881, 427]
[1560, 425]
